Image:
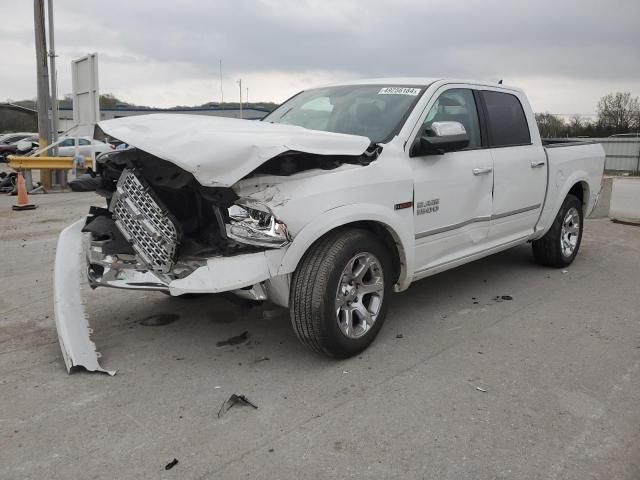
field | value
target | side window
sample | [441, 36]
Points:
[67, 143]
[457, 105]
[83, 141]
[507, 122]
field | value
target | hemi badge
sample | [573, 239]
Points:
[401, 206]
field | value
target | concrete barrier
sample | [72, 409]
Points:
[602, 209]
[625, 200]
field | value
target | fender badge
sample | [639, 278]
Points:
[401, 206]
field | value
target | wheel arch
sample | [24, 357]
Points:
[581, 190]
[381, 222]
[577, 184]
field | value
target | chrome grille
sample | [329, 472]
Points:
[144, 223]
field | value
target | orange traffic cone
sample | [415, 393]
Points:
[23, 198]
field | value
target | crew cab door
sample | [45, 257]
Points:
[519, 164]
[452, 191]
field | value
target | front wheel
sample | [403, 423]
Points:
[340, 292]
[560, 245]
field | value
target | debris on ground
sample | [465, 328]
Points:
[171, 464]
[480, 389]
[235, 400]
[565, 271]
[399, 335]
[261, 359]
[497, 299]
[507, 297]
[237, 340]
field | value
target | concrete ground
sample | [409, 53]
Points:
[457, 385]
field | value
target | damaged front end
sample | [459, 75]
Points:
[161, 226]
[162, 231]
[173, 221]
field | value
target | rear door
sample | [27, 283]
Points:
[66, 148]
[519, 163]
[84, 147]
[452, 191]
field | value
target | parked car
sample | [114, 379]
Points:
[66, 148]
[340, 197]
[10, 138]
[19, 146]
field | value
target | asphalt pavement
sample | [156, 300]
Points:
[500, 369]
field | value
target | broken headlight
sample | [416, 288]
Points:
[254, 223]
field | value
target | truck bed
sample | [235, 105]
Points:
[568, 161]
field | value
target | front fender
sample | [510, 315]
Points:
[398, 223]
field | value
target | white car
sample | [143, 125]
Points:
[338, 198]
[10, 138]
[66, 148]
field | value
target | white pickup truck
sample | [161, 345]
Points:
[341, 196]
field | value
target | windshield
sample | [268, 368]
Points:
[374, 111]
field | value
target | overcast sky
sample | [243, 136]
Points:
[565, 53]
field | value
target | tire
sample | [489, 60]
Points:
[319, 316]
[559, 246]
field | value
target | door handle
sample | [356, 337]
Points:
[482, 171]
[537, 164]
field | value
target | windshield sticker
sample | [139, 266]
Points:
[399, 91]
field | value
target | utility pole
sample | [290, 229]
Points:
[42, 74]
[240, 83]
[53, 78]
[43, 81]
[221, 89]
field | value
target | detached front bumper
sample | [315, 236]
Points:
[80, 261]
[72, 324]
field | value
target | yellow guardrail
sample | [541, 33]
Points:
[43, 163]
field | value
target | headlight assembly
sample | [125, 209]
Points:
[254, 223]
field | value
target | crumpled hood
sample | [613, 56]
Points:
[220, 151]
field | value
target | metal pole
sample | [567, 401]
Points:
[43, 80]
[59, 176]
[221, 89]
[247, 99]
[240, 83]
[53, 78]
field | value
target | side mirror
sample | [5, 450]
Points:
[441, 137]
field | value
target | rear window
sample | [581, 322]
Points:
[507, 122]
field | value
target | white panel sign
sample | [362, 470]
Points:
[86, 95]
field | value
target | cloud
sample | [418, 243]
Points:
[165, 53]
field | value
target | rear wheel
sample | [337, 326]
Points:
[339, 293]
[560, 245]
